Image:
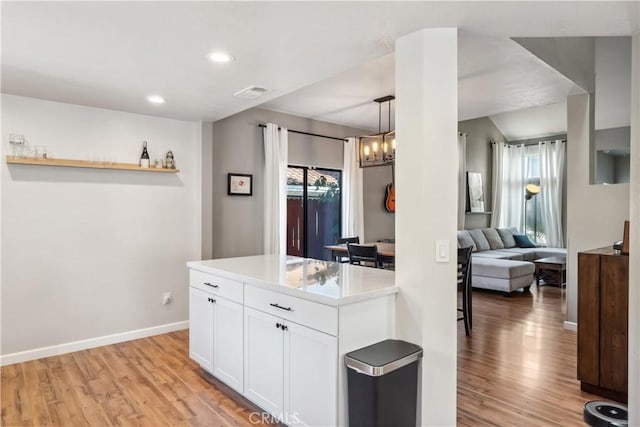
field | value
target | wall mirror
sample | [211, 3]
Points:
[612, 135]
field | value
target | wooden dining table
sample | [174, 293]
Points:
[385, 250]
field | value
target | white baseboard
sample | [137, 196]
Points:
[572, 326]
[55, 350]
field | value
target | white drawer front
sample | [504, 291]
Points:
[307, 313]
[216, 285]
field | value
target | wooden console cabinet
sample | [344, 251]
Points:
[603, 311]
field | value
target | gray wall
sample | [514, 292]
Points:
[378, 223]
[613, 138]
[238, 147]
[479, 159]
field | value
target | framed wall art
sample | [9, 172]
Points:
[239, 184]
[474, 191]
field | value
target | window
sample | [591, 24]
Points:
[533, 222]
[313, 210]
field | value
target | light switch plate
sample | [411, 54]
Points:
[442, 251]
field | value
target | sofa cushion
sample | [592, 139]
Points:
[499, 254]
[549, 252]
[504, 285]
[527, 254]
[465, 240]
[507, 237]
[501, 268]
[522, 241]
[478, 238]
[492, 236]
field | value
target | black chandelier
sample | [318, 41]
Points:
[379, 149]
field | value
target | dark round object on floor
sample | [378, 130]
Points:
[605, 414]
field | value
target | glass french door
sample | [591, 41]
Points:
[313, 210]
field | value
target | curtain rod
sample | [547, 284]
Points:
[262, 125]
[530, 143]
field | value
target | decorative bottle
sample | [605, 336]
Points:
[144, 158]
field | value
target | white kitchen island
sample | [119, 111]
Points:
[276, 328]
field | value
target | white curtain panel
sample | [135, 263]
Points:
[508, 186]
[275, 189]
[552, 158]
[352, 194]
[462, 179]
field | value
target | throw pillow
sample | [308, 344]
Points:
[507, 237]
[522, 241]
[495, 242]
[465, 240]
[481, 242]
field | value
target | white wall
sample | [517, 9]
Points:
[87, 252]
[427, 132]
[595, 213]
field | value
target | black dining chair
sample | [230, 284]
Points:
[363, 254]
[464, 284]
[344, 241]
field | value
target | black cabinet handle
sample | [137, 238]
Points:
[278, 325]
[281, 307]
[284, 327]
[211, 300]
[209, 284]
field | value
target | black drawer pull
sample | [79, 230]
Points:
[209, 284]
[281, 307]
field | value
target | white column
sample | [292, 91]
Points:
[634, 234]
[426, 197]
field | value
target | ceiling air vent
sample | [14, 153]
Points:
[251, 92]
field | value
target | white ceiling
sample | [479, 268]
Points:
[495, 74]
[113, 54]
[541, 121]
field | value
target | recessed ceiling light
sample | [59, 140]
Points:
[155, 99]
[220, 57]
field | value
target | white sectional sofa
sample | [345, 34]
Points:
[498, 263]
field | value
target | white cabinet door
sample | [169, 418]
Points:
[201, 328]
[263, 360]
[228, 343]
[310, 377]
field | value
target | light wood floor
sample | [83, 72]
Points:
[519, 366]
[517, 369]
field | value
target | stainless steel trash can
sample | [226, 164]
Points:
[382, 383]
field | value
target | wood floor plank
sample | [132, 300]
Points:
[518, 368]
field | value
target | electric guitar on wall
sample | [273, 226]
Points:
[390, 193]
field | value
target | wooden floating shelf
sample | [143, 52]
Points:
[69, 163]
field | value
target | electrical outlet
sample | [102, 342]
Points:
[166, 298]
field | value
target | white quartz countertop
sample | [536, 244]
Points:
[325, 282]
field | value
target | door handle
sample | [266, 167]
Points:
[281, 307]
[209, 284]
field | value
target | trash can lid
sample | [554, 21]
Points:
[599, 413]
[383, 357]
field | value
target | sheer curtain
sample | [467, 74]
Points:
[462, 181]
[352, 195]
[275, 189]
[552, 158]
[508, 185]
